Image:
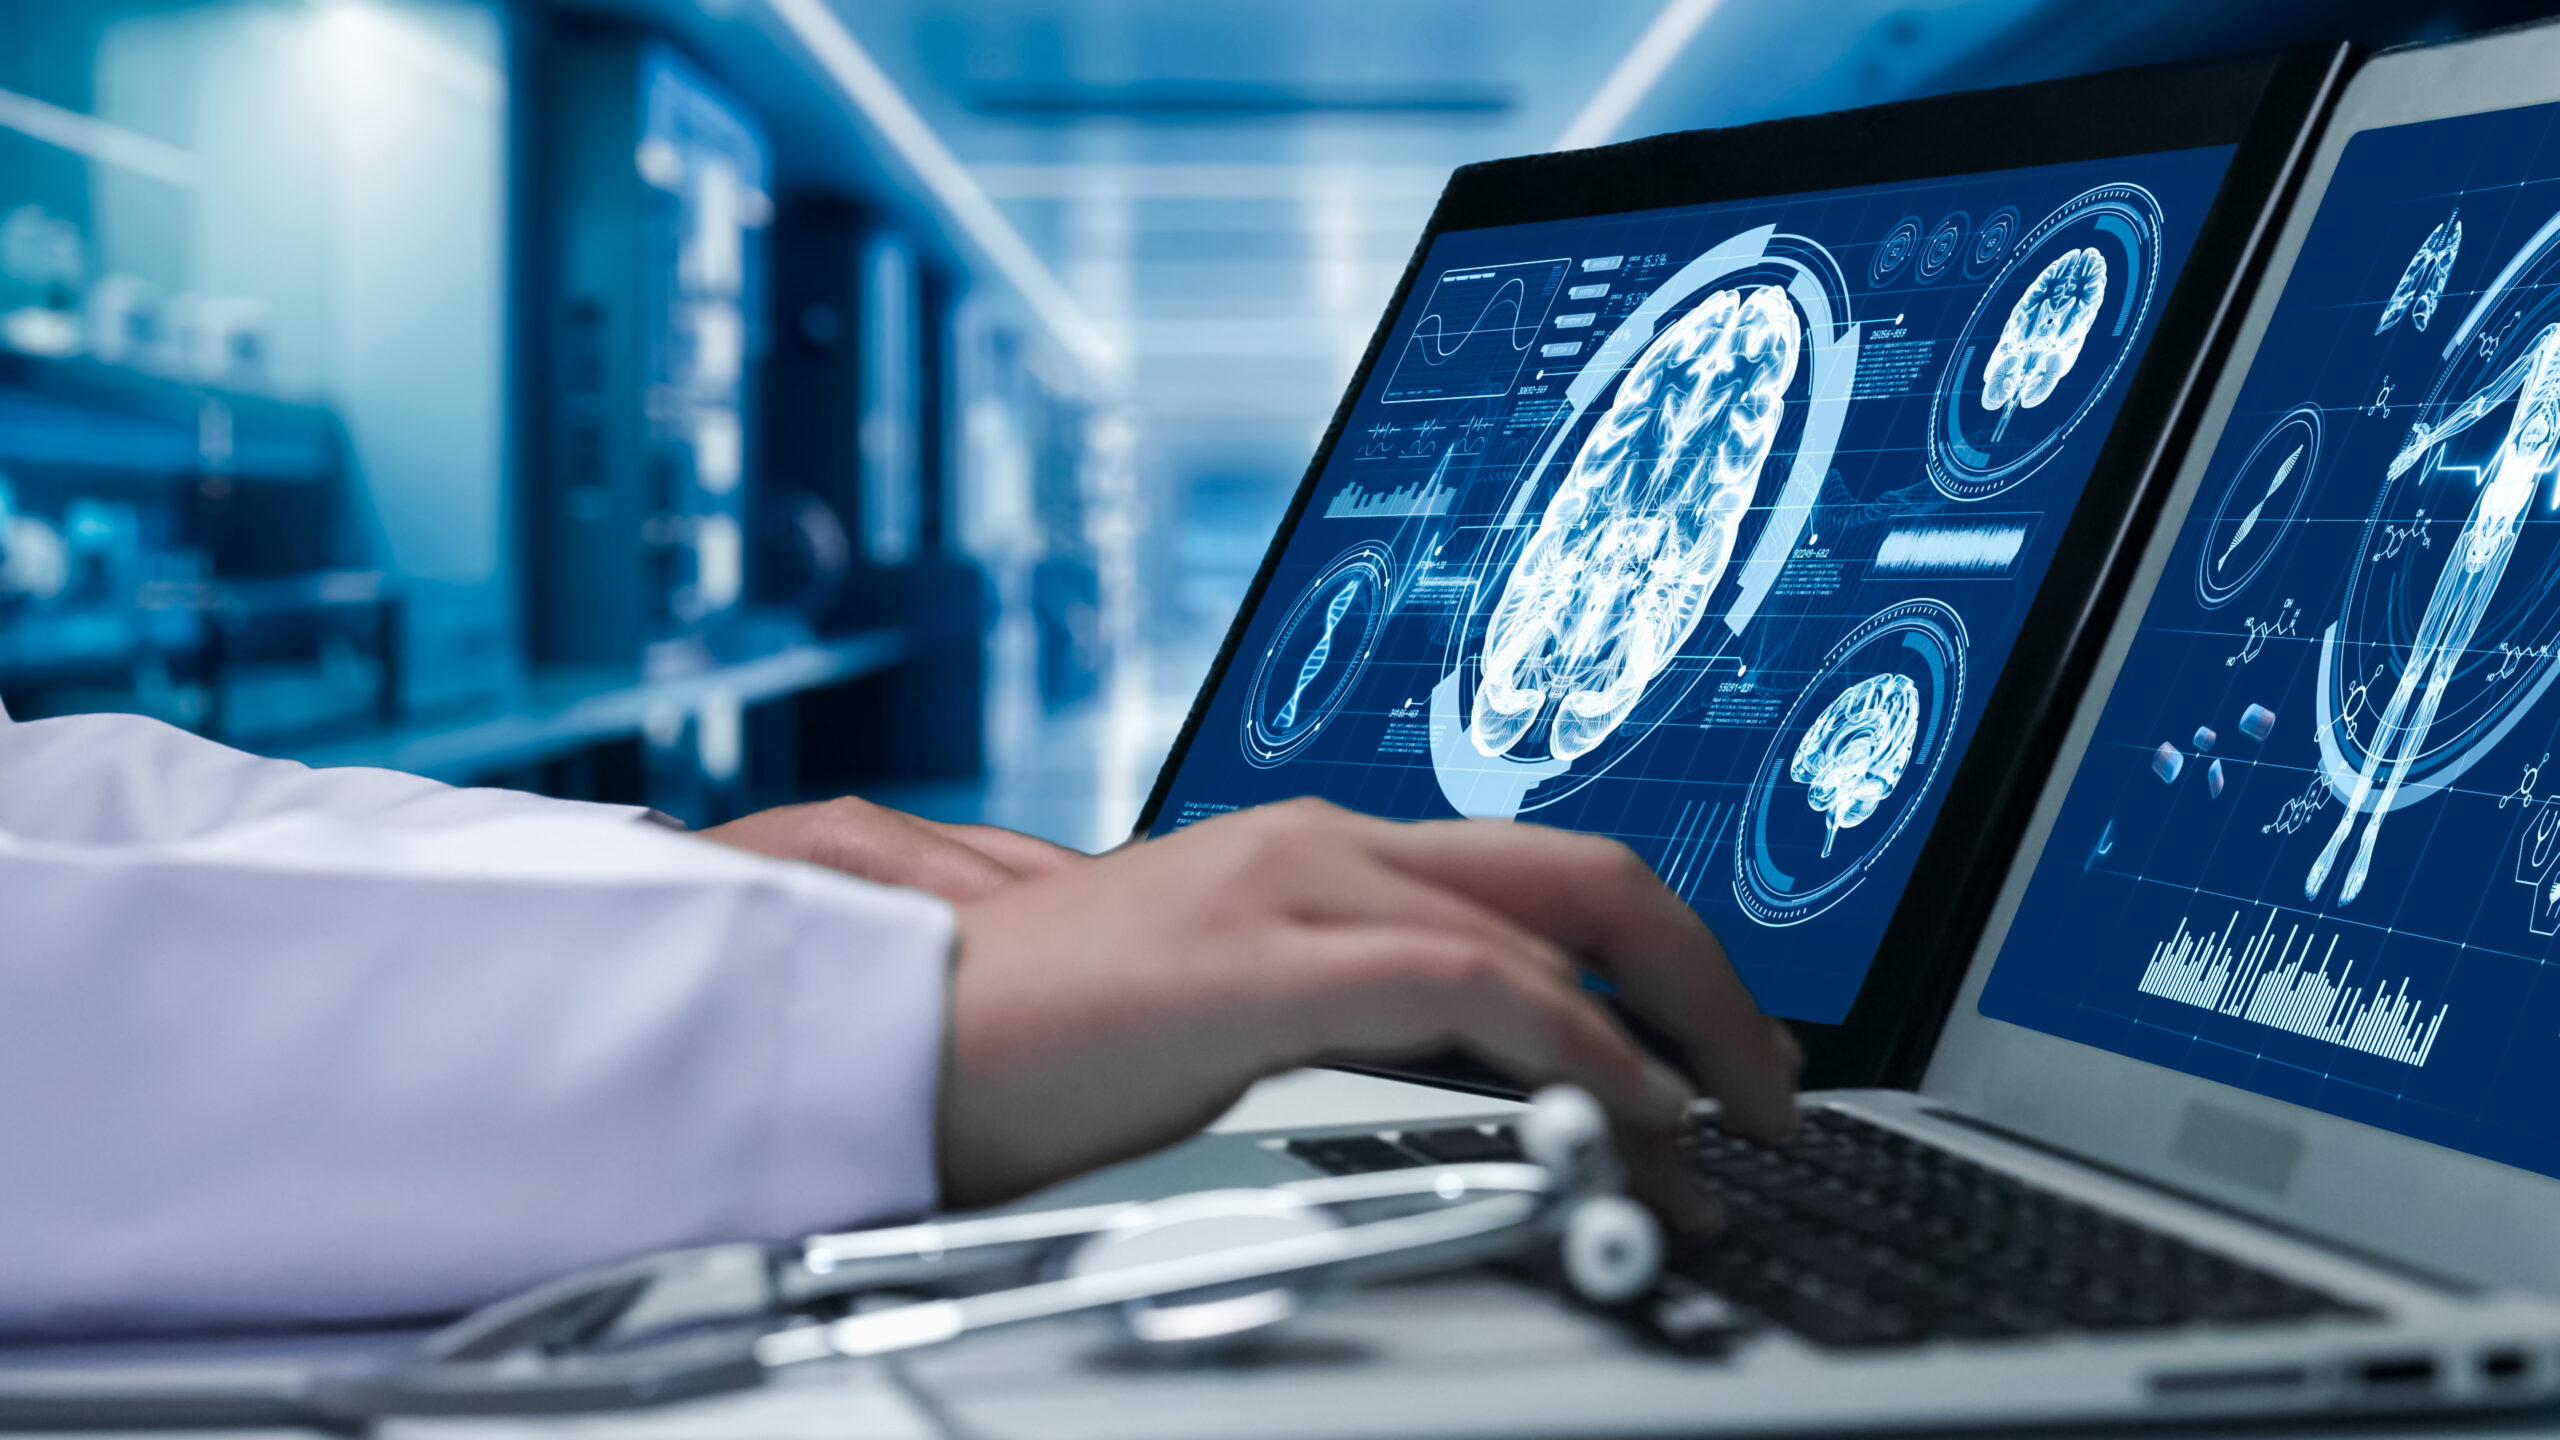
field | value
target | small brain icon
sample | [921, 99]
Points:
[2421, 286]
[2043, 334]
[1618, 572]
[1855, 751]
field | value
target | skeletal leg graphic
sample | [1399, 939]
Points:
[2453, 614]
[2471, 603]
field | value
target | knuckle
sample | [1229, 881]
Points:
[1304, 813]
[1289, 825]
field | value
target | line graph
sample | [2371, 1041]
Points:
[1475, 332]
[2277, 987]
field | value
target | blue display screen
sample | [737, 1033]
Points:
[1707, 528]
[2314, 849]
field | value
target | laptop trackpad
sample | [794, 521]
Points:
[2239, 1148]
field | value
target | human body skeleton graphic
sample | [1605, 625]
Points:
[2472, 569]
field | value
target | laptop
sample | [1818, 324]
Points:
[2161, 682]
[1750, 496]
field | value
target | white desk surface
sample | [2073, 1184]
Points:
[1331, 1097]
[981, 1395]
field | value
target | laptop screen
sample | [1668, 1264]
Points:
[2313, 849]
[1707, 528]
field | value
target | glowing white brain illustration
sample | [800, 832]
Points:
[2043, 334]
[1619, 569]
[1854, 753]
[2421, 286]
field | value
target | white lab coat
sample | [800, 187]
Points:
[289, 1043]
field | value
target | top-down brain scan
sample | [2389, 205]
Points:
[2421, 286]
[1621, 565]
[2043, 334]
[1855, 751]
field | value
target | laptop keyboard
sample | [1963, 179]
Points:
[1857, 1237]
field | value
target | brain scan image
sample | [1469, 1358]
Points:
[1619, 569]
[2421, 286]
[2043, 334]
[1855, 751]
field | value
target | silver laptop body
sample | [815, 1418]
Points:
[2449, 1262]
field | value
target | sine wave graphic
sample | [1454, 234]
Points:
[1431, 330]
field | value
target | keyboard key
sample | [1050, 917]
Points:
[1352, 1154]
[1462, 1145]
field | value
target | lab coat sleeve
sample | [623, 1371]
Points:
[124, 778]
[316, 1068]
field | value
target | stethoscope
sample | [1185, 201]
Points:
[1209, 1269]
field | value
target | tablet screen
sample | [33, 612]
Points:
[2314, 847]
[1707, 528]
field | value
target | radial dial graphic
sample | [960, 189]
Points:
[1852, 760]
[1854, 753]
[2044, 346]
[2260, 504]
[1316, 654]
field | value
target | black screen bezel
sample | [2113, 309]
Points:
[2266, 105]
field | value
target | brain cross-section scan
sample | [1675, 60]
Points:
[1855, 751]
[2043, 334]
[1621, 565]
[2421, 286]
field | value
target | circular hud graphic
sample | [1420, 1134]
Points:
[2259, 505]
[1939, 253]
[1322, 644]
[1894, 251]
[2051, 331]
[1991, 243]
[1862, 743]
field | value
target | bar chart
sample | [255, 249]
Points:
[2275, 984]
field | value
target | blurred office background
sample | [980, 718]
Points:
[713, 403]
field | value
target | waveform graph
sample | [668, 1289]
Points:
[1478, 328]
[1983, 550]
[2275, 982]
